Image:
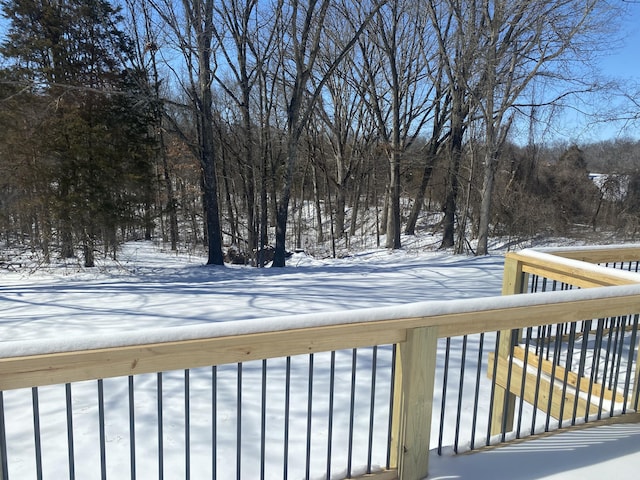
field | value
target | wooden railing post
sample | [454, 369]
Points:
[413, 403]
[514, 281]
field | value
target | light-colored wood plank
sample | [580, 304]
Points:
[396, 418]
[503, 403]
[418, 359]
[383, 475]
[601, 255]
[58, 368]
[541, 401]
[573, 379]
[586, 276]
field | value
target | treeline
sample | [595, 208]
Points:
[238, 122]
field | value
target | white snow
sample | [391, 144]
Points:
[152, 297]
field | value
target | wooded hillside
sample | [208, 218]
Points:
[294, 124]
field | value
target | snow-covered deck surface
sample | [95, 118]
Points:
[595, 453]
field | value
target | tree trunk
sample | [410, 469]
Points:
[393, 217]
[279, 254]
[485, 205]
[416, 208]
[455, 156]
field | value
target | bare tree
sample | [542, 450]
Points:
[245, 31]
[147, 46]
[343, 110]
[455, 26]
[303, 37]
[190, 25]
[400, 95]
[521, 40]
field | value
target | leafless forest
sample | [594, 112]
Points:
[253, 128]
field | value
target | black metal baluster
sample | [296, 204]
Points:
[567, 367]
[103, 440]
[4, 462]
[160, 426]
[476, 394]
[70, 445]
[132, 429]
[309, 416]
[187, 425]
[214, 422]
[630, 360]
[354, 358]
[391, 404]
[239, 423]
[525, 363]
[263, 420]
[332, 381]
[374, 364]
[36, 431]
[287, 406]
[460, 393]
[444, 394]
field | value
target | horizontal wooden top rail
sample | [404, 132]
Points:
[598, 254]
[571, 271]
[490, 314]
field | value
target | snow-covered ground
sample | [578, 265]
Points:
[148, 290]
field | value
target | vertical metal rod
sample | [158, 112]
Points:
[374, 367]
[586, 329]
[493, 387]
[630, 360]
[239, 424]
[525, 363]
[506, 397]
[36, 431]
[132, 430]
[70, 447]
[536, 393]
[476, 395]
[444, 394]
[332, 378]
[567, 367]
[354, 358]
[616, 376]
[556, 356]
[534, 284]
[103, 439]
[263, 420]
[214, 422]
[617, 350]
[187, 425]
[287, 406]
[160, 427]
[4, 464]
[309, 416]
[391, 405]
[539, 335]
[595, 364]
[549, 337]
[607, 357]
[460, 393]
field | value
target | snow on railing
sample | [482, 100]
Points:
[331, 395]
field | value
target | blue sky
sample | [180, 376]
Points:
[625, 62]
[623, 65]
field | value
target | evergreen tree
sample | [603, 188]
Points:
[70, 56]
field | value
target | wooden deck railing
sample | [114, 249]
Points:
[415, 330]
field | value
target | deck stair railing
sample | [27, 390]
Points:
[366, 392]
[570, 371]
